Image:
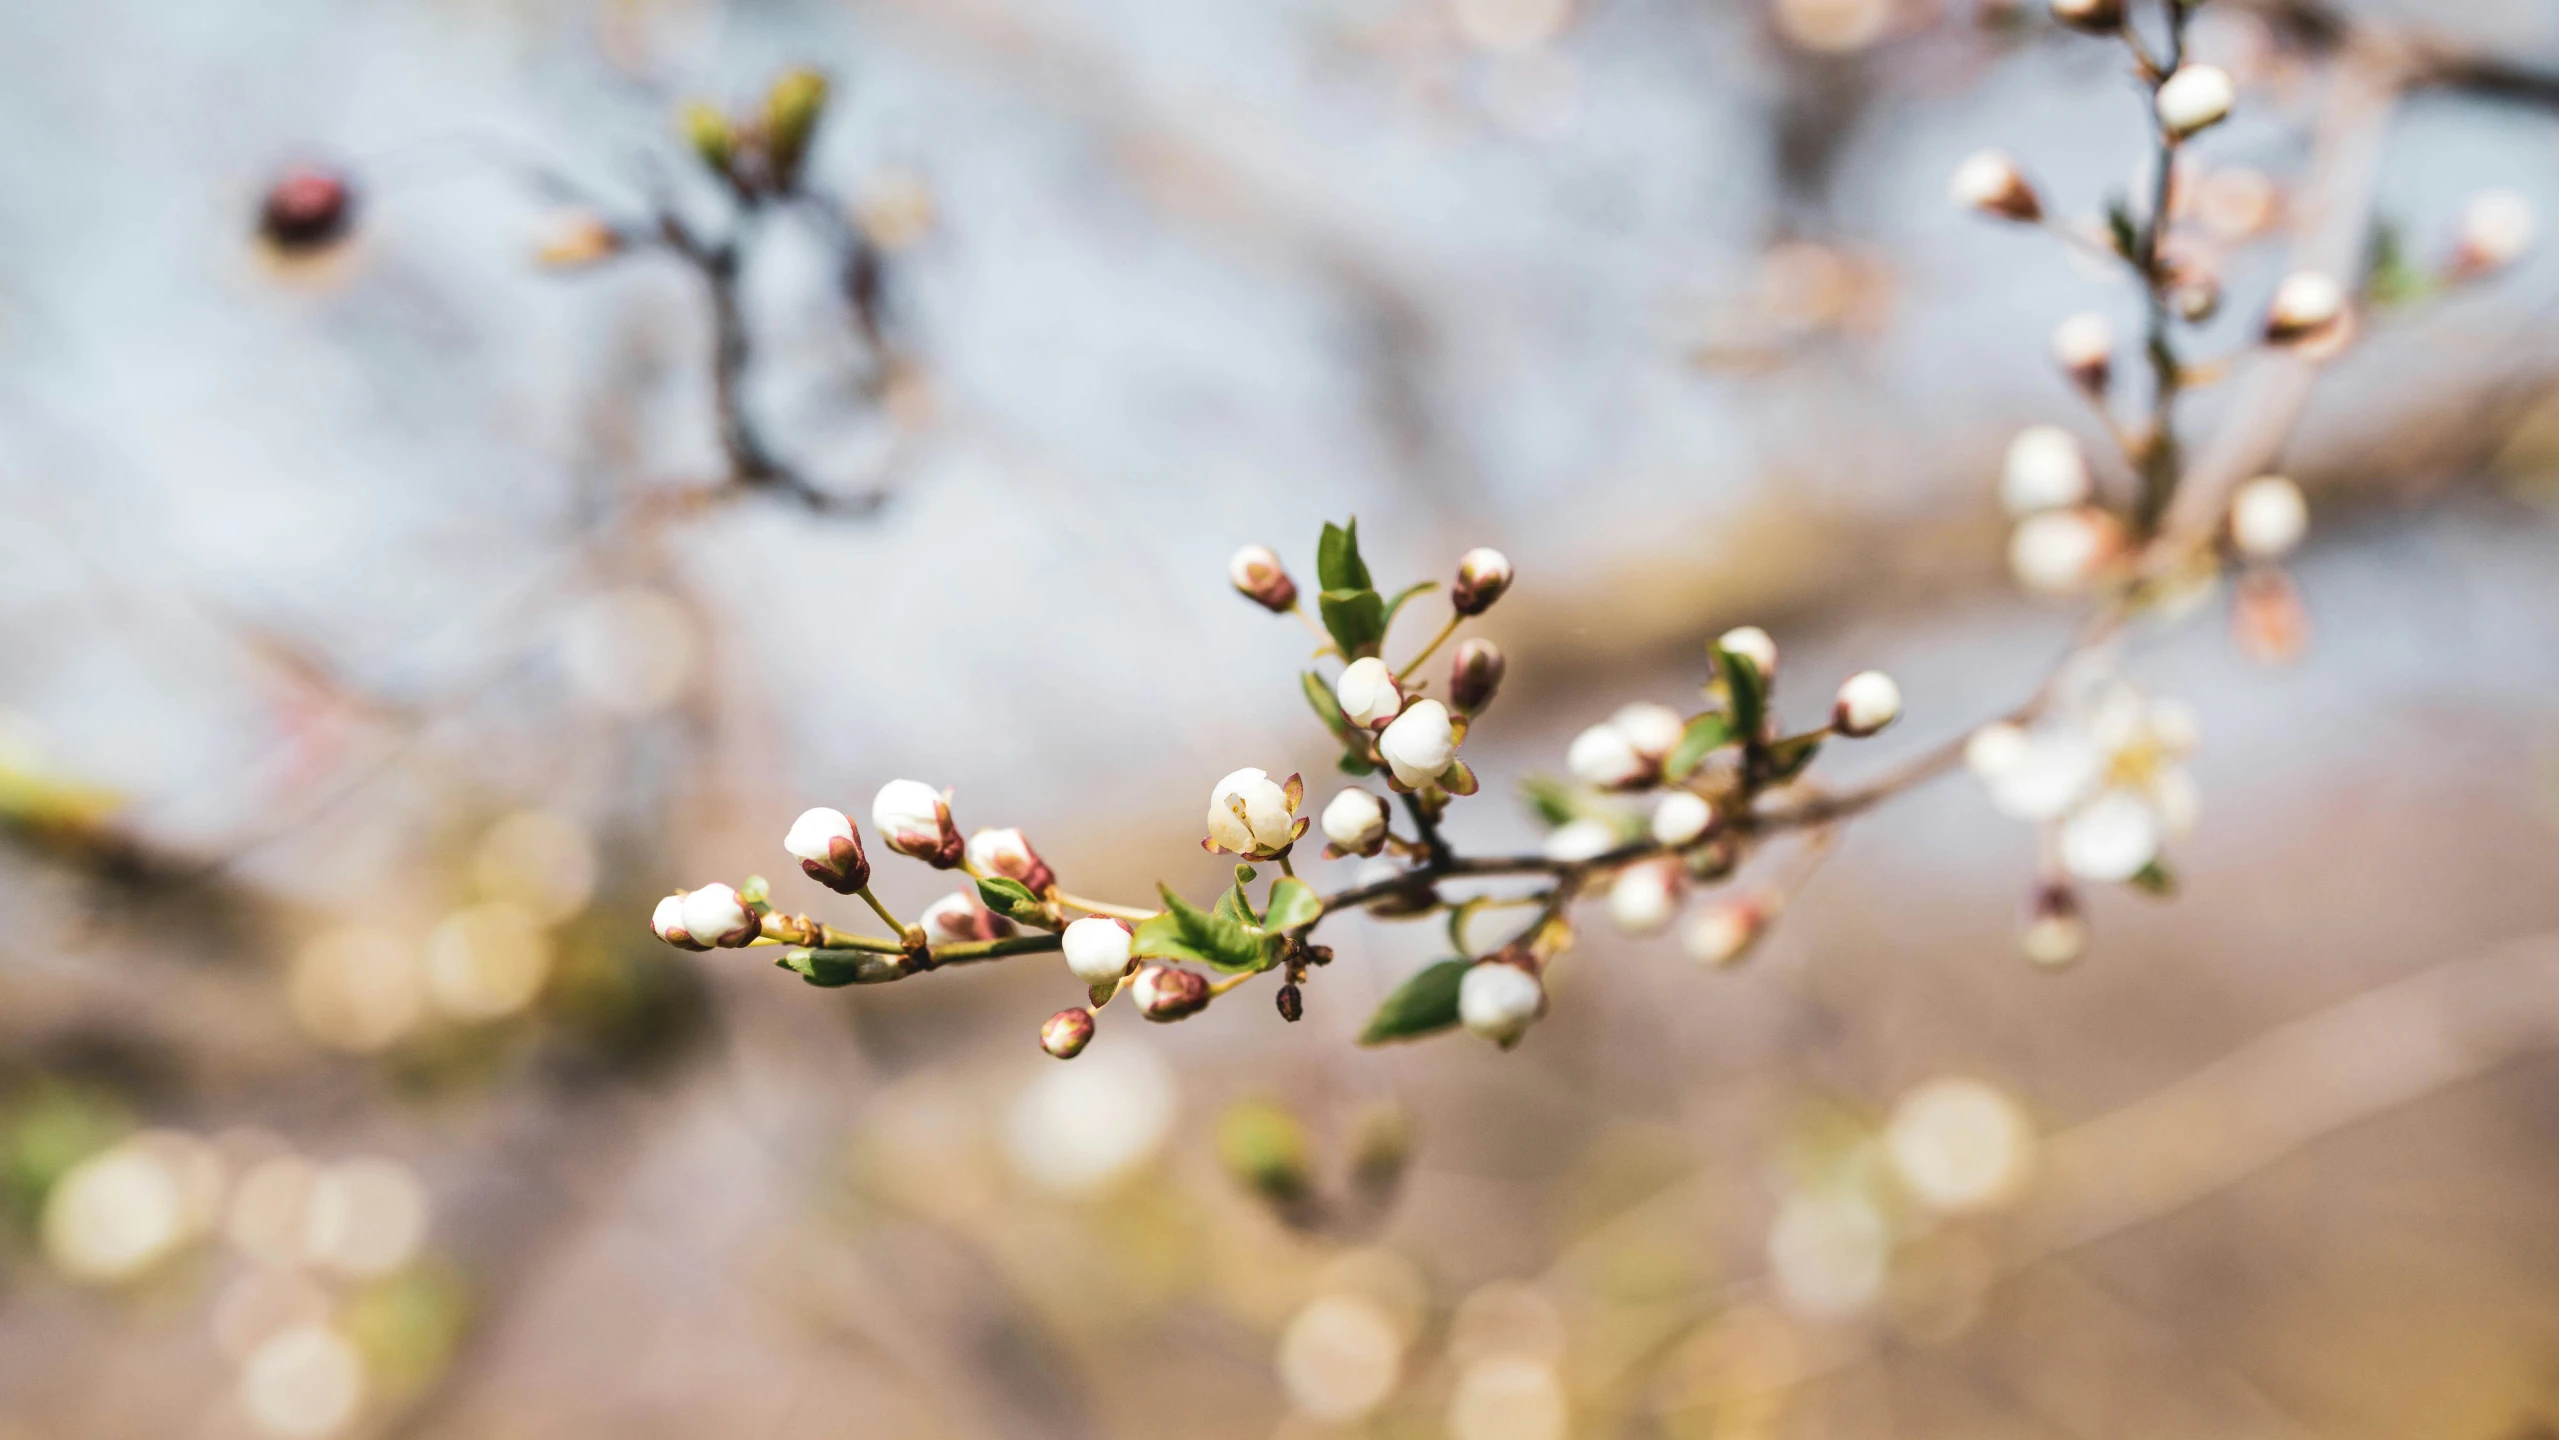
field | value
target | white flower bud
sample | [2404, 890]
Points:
[1097, 949]
[960, 917]
[1482, 576]
[2309, 314]
[1653, 729]
[829, 850]
[1008, 853]
[1258, 575]
[668, 923]
[1165, 994]
[2091, 15]
[1990, 182]
[1249, 813]
[1499, 1001]
[1603, 756]
[1356, 822]
[1368, 693]
[2055, 933]
[2496, 229]
[2197, 97]
[1682, 818]
[1474, 674]
[2061, 552]
[1645, 897]
[1723, 933]
[1752, 644]
[1577, 840]
[1420, 744]
[913, 819]
[716, 915]
[2268, 517]
[1868, 701]
[2085, 346]
[2046, 470]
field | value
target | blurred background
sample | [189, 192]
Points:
[390, 621]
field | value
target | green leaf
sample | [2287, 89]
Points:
[1749, 692]
[2120, 227]
[1186, 932]
[1788, 757]
[1293, 903]
[1704, 736]
[1354, 763]
[834, 969]
[1355, 618]
[1013, 900]
[1337, 562]
[1418, 587]
[1420, 1006]
[2155, 878]
[1327, 706]
[1554, 801]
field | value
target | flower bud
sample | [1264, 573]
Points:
[960, 918]
[829, 850]
[717, 915]
[1482, 576]
[2061, 552]
[1097, 949]
[2085, 346]
[2268, 517]
[1644, 897]
[1066, 1033]
[2267, 619]
[708, 131]
[305, 210]
[915, 820]
[1008, 853]
[1577, 840]
[2095, 16]
[1683, 818]
[1251, 814]
[1291, 1003]
[1653, 729]
[2309, 314]
[667, 921]
[1990, 182]
[1165, 994]
[1499, 1001]
[2496, 229]
[2196, 98]
[2046, 470]
[1419, 746]
[1752, 644]
[791, 111]
[1368, 693]
[1868, 701]
[1603, 756]
[1256, 572]
[2196, 298]
[1474, 675]
[1355, 823]
[2055, 933]
[1723, 933]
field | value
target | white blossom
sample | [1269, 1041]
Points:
[1645, 897]
[1752, 644]
[1603, 756]
[1008, 853]
[2497, 227]
[959, 917]
[1368, 693]
[2308, 314]
[1249, 813]
[1653, 729]
[2195, 98]
[2085, 346]
[2045, 470]
[667, 921]
[1097, 949]
[717, 915]
[1579, 840]
[1681, 818]
[1421, 743]
[2109, 772]
[1356, 821]
[1499, 1001]
[829, 849]
[914, 819]
[1868, 701]
[2061, 552]
[2268, 517]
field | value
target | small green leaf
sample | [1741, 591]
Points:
[834, 969]
[1293, 903]
[1354, 763]
[1013, 900]
[2120, 227]
[1787, 758]
[1420, 1006]
[1265, 1147]
[1748, 690]
[1186, 932]
[2155, 878]
[1356, 619]
[1327, 706]
[1419, 587]
[1704, 736]
[1554, 802]
[1337, 562]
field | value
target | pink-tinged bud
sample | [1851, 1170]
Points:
[2310, 315]
[1164, 993]
[1475, 675]
[2196, 98]
[2055, 932]
[668, 923]
[960, 918]
[1066, 1033]
[1355, 823]
[1482, 576]
[1991, 183]
[1368, 694]
[2268, 517]
[1752, 644]
[914, 820]
[2094, 16]
[1602, 756]
[717, 915]
[1868, 701]
[306, 209]
[2268, 622]
[1721, 934]
[1683, 818]
[2496, 229]
[2045, 470]
[1645, 897]
[1097, 949]
[1008, 853]
[1420, 746]
[1258, 575]
[829, 850]
[1499, 1001]
[2062, 552]
[2085, 346]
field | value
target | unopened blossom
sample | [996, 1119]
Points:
[1355, 822]
[2084, 344]
[1499, 1001]
[2091, 15]
[717, 915]
[1008, 853]
[1368, 693]
[667, 922]
[2496, 229]
[1868, 701]
[1603, 756]
[829, 850]
[1420, 746]
[306, 209]
[1066, 1033]
[2045, 470]
[1752, 644]
[2109, 773]
[1097, 949]
[1652, 728]
[2309, 314]
[914, 819]
[2195, 298]
[1166, 993]
[2268, 517]
[1991, 183]
[1482, 576]
[1258, 574]
[1645, 897]
[2267, 619]
[1681, 819]
[1474, 675]
[2055, 932]
[2196, 98]
[2062, 552]
[1251, 814]
[960, 918]
[1722, 933]
[1577, 840]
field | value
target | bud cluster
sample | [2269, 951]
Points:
[762, 151]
